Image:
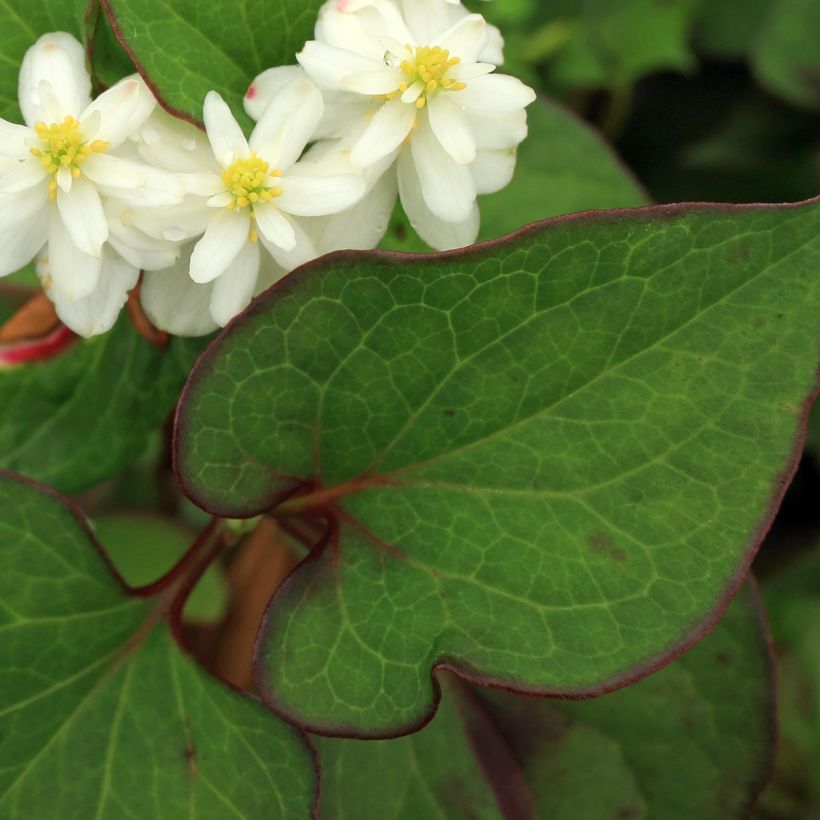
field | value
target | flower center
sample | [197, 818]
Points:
[427, 74]
[63, 146]
[250, 180]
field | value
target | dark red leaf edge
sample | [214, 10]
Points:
[111, 16]
[188, 563]
[628, 676]
[486, 732]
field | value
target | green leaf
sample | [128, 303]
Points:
[185, 49]
[694, 740]
[79, 418]
[22, 23]
[611, 45]
[792, 599]
[578, 433]
[102, 715]
[145, 547]
[728, 29]
[433, 773]
[579, 172]
[787, 59]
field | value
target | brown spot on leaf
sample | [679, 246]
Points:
[742, 252]
[723, 658]
[602, 544]
[628, 812]
[190, 758]
[449, 413]
[400, 231]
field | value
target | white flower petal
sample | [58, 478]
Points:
[160, 188]
[431, 228]
[319, 196]
[114, 172]
[275, 227]
[493, 170]
[24, 175]
[374, 81]
[288, 124]
[384, 133]
[494, 131]
[97, 312]
[234, 290]
[327, 66]
[267, 85]
[302, 251]
[14, 140]
[175, 303]
[203, 184]
[59, 59]
[451, 128]
[361, 227]
[51, 109]
[82, 214]
[122, 109]
[135, 246]
[469, 71]
[226, 137]
[496, 92]
[226, 235]
[64, 180]
[73, 273]
[21, 242]
[426, 19]
[18, 208]
[447, 186]
[465, 39]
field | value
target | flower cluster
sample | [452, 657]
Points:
[392, 99]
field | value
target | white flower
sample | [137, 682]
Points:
[58, 175]
[409, 90]
[253, 194]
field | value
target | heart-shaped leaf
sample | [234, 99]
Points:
[77, 419]
[185, 49]
[102, 715]
[546, 462]
[694, 740]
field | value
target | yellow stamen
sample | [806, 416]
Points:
[63, 146]
[430, 66]
[247, 182]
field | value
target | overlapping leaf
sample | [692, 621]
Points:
[185, 48]
[579, 433]
[79, 418]
[102, 715]
[694, 740]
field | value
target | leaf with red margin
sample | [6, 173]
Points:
[546, 462]
[693, 740]
[185, 48]
[102, 715]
